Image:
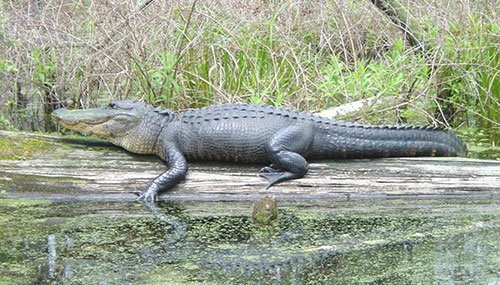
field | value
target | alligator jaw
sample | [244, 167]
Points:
[73, 117]
[84, 121]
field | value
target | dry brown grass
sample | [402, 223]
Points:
[260, 51]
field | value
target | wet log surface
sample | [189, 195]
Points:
[41, 166]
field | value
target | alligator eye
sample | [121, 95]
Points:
[111, 105]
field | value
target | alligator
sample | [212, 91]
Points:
[249, 133]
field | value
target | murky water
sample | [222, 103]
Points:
[312, 242]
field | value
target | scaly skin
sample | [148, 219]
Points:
[249, 134]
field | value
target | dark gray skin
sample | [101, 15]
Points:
[249, 134]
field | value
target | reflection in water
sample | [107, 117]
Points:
[178, 227]
[51, 245]
[320, 242]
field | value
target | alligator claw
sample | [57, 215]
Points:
[271, 177]
[277, 177]
[272, 174]
[269, 169]
[138, 193]
[146, 196]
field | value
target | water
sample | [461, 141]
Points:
[450, 241]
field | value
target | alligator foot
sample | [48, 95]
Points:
[146, 196]
[274, 175]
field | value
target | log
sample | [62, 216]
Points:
[398, 12]
[59, 168]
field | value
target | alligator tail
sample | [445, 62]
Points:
[344, 140]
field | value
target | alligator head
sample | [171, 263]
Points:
[132, 125]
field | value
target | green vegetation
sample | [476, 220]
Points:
[309, 56]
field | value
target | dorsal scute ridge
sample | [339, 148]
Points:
[226, 111]
[409, 127]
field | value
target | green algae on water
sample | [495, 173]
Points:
[320, 242]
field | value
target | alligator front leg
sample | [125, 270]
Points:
[284, 151]
[167, 180]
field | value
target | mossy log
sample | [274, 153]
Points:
[399, 13]
[41, 166]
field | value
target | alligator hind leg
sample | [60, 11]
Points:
[284, 151]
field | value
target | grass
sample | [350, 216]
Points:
[308, 56]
